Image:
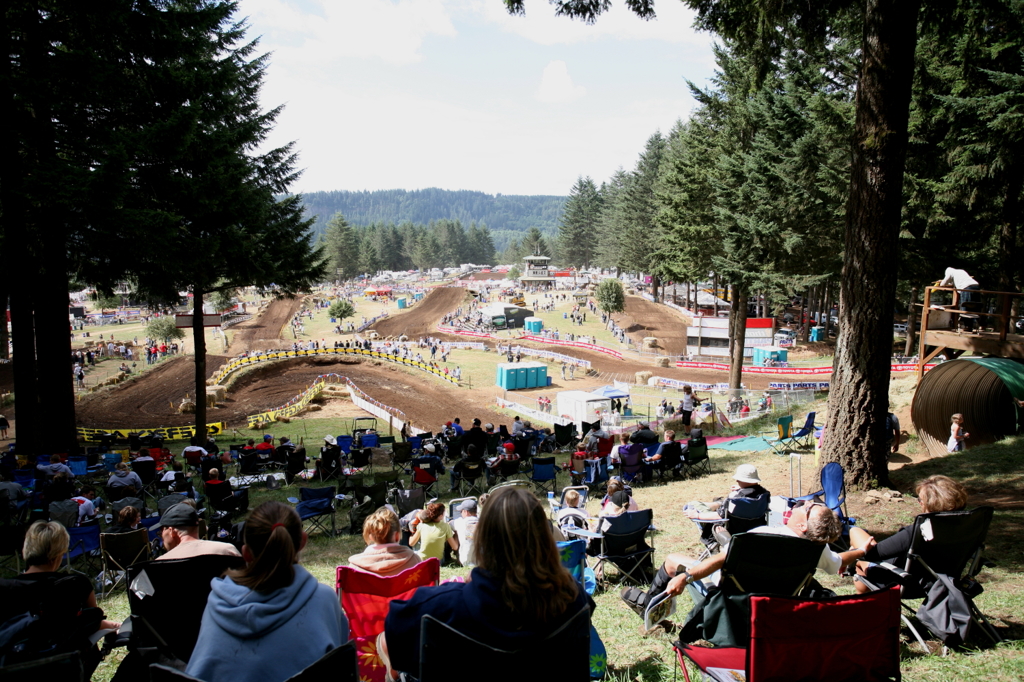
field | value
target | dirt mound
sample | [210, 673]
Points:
[264, 331]
[643, 318]
[148, 404]
[423, 318]
[149, 401]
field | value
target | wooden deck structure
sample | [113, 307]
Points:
[993, 333]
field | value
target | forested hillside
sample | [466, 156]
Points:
[508, 216]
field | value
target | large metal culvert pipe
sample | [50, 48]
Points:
[982, 389]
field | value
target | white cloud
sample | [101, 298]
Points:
[556, 85]
[392, 32]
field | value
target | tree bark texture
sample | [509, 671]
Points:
[858, 401]
[912, 322]
[199, 341]
[737, 334]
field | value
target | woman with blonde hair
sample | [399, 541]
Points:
[271, 605]
[518, 594]
[65, 605]
[383, 554]
[934, 494]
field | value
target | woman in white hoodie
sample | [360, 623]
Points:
[271, 619]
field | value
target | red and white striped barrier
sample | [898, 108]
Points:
[721, 367]
[573, 344]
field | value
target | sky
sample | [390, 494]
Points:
[457, 94]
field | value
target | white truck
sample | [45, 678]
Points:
[581, 406]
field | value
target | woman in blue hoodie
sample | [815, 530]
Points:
[271, 619]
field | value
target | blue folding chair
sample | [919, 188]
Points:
[84, 540]
[805, 434]
[782, 435]
[111, 460]
[595, 472]
[417, 443]
[315, 507]
[369, 440]
[833, 492]
[79, 465]
[573, 555]
[544, 472]
[345, 443]
[26, 478]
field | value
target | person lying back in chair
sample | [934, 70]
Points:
[811, 521]
[748, 485]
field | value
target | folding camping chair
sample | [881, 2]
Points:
[671, 461]
[329, 464]
[838, 638]
[167, 599]
[804, 436]
[565, 436]
[147, 473]
[833, 492]
[85, 542]
[695, 458]
[438, 641]
[401, 454]
[508, 470]
[66, 667]
[250, 468]
[365, 597]
[407, 500]
[544, 472]
[625, 545]
[472, 478]
[426, 471]
[12, 539]
[315, 506]
[782, 436]
[944, 559]
[64, 512]
[119, 551]
[595, 472]
[222, 497]
[338, 665]
[632, 465]
[740, 514]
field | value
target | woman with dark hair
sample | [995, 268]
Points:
[518, 594]
[271, 619]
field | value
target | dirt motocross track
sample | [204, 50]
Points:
[643, 318]
[263, 332]
[424, 317]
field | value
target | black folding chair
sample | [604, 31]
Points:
[739, 515]
[296, 464]
[65, 667]
[472, 477]
[568, 659]
[624, 544]
[401, 454]
[565, 435]
[695, 460]
[671, 461]
[119, 551]
[947, 548]
[146, 470]
[167, 599]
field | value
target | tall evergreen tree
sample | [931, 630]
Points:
[640, 240]
[578, 228]
[342, 247]
[611, 222]
[534, 243]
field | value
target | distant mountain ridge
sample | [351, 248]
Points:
[508, 216]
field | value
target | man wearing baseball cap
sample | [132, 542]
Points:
[179, 529]
[465, 527]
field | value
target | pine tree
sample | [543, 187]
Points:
[578, 228]
[611, 223]
[534, 243]
[342, 247]
[640, 239]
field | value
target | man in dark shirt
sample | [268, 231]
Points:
[643, 434]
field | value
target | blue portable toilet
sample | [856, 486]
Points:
[401, 304]
[533, 325]
[506, 376]
[521, 377]
[763, 354]
[817, 333]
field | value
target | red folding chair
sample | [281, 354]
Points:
[365, 597]
[838, 638]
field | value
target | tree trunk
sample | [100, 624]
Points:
[4, 336]
[737, 334]
[912, 322]
[859, 398]
[714, 289]
[26, 387]
[53, 353]
[826, 308]
[199, 341]
[805, 317]
[655, 281]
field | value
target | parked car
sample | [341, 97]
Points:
[899, 328]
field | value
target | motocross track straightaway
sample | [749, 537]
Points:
[424, 317]
[263, 332]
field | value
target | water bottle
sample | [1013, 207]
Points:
[551, 497]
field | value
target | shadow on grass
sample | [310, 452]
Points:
[649, 668]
